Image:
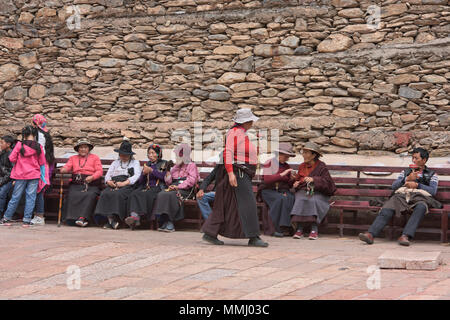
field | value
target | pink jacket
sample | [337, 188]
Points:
[26, 167]
[188, 171]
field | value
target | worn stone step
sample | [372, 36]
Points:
[410, 260]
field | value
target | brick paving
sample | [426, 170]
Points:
[144, 264]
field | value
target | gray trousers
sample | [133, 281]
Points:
[386, 214]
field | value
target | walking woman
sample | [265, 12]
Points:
[235, 213]
[182, 181]
[45, 140]
[275, 189]
[150, 183]
[86, 169]
[29, 162]
[120, 178]
[314, 187]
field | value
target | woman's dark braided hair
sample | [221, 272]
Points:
[27, 131]
[157, 149]
[49, 150]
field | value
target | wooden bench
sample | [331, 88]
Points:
[193, 217]
[353, 196]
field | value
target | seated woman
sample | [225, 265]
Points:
[181, 180]
[120, 178]
[314, 187]
[86, 169]
[277, 181]
[150, 183]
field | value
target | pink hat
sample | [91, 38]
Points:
[40, 121]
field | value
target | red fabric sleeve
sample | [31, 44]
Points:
[98, 168]
[69, 165]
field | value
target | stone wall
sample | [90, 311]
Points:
[316, 70]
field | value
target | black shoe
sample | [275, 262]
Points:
[5, 222]
[81, 222]
[27, 224]
[107, 226]
[278, 234]
[212, 240]
[115, 224]
[257, 242]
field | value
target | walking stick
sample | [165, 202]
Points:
[60, 202]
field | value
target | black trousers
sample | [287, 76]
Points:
[386, 214]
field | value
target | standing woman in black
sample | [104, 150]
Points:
[235, 213]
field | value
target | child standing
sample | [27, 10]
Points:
[6, 146]
[29, 159]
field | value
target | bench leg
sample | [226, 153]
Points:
[341, 223]
[355, 216]
[200, 218]
[444, 226]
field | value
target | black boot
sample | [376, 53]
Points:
[212, 240]
[257, 242]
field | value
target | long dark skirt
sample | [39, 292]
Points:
[81, 204]
[280, 206]
[141, 201]
[235, 213]
[168, 203]
[309, 208]
[114, 202]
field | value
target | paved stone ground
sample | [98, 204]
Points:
[144, 264]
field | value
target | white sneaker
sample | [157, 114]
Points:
[38, 221]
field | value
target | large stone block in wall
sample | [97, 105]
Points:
[403, 79]
[9, 72]
[228, 50]
[37, 91]
[393, 10]
[7, 6]
[217, 105]
[16, 93]
[291, 62]
[345, 3]
[409, 93]
[335, 43]
[112, 63]
[231, 77]
[11, 43]
[59, 89]
[28, 60]
[174, 28]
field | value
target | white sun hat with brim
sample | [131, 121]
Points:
[244, 115]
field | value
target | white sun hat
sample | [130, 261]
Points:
[244, 115]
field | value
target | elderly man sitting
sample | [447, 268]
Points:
[414, 191]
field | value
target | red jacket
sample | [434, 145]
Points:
[238, 148]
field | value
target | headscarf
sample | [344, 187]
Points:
[40, 121]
